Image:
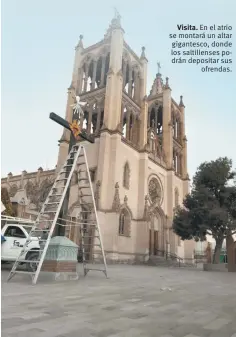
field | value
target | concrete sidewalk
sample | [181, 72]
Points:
[134, 301]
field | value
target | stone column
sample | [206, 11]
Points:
[128, 125]
[124, 74]
[183, 139]
[143, 101]
[79, 82]
[184, 159]
[113, 96]
[86, 78]
[143, 124]
[152, 237]
[90, 119]
[148, 122]
[98, 119]
[94, 74]
[130, 81]
[103, 71]
[167, 126]
[136, 87]
[174, 160]
[81, 122]
[77, 61]
[65, 138]
[121, 118]
[156, 114]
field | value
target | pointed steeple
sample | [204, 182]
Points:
[157, 86]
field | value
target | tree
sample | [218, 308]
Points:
[7, 202]
[210, 208]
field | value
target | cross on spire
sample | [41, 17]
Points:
[158, 67]
[117, 14]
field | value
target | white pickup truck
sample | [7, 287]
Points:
[15, 236]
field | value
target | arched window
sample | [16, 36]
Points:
[124, 223]
[126, 175]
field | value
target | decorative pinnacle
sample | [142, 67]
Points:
[167, 83]
[80, 43]
[181, 104]
[143, 53]
[158, 68]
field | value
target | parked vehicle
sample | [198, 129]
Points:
[15, 236]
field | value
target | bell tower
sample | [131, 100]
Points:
[140, 144]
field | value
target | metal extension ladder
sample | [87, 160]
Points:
[51, 209]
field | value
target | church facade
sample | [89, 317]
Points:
[138, 163]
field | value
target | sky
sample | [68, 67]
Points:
[38, 40]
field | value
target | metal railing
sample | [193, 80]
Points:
[201, 256]
[169, 256]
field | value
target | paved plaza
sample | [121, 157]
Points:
[134, 301]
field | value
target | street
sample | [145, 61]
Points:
[134, 301]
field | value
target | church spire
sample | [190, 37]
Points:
[157, 86]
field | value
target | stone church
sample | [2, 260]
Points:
[138, 163]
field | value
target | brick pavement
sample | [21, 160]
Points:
[134, 301]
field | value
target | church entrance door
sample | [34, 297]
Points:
[153, 242]
[156, 242]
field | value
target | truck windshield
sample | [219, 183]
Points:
[27, 227]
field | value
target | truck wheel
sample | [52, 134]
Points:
[32, 266]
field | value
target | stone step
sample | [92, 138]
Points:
[162, 261]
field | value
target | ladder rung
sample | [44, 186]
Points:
[22, 272]
[32, 261]
[70, 165]
[86, 223]
[35, 250]
[86, 203]
[55, 195]
[61, 179]
[80, 187]
[95, 269]
[86, 237]
[52, 203]
[81, 179]
[85, 195]
[49, 211]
